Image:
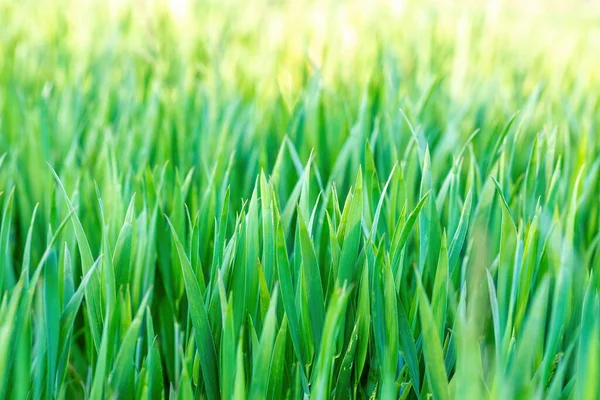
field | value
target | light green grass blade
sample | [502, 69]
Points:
[401, 235]
[239, 391]
[52, 308]
[440, 288]
[461, 232]
[432, 349]
[352, 235]
[425, 214]
[6, 274]
[262, 362]
[93, 292]
[321, 384]
[8, 312]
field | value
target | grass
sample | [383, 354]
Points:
[284, 199]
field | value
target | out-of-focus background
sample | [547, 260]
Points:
[189, 81]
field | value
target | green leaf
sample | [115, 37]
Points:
[320, 388]
[122, 376]
[403, 231]
[342, 386]
[432, 349]
[440, 288]
[352, 235]
[314, 287]
[93, 292]
[278, 360]
[425, 215]
[6, 273]
[199, 317]
[409, 349]
[262, 362]
[287, 292]
[460, 234]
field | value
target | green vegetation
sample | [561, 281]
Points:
[289, 199]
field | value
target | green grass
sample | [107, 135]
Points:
[292, 199]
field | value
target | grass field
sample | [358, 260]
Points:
[285, 199]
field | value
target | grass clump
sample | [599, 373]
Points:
[281, 200]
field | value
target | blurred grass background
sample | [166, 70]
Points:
[77, 74]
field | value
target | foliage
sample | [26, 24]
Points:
[283, 199]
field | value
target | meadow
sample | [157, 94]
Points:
[287, 199]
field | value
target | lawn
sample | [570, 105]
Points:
[299, 199]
